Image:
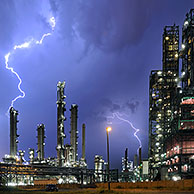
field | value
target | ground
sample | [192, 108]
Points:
[95, 191]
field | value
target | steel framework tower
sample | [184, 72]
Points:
[163, 86]
[60, 122]
[170, 73]
[188, 51]
[171, 129]
[13, 132]
[180, 142]
[41, 143]
[156, 129]
[74, 132]
[171, 50]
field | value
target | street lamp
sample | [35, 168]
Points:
[108, 129]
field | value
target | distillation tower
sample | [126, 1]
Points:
[83, 142]
[13, 132]
[41, 143]
[74, 132]
[60, 122]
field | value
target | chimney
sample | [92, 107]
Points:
[83, 142]
[139, 156]
[135, 161]
[126, 158]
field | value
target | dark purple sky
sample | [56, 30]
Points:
[103, 49]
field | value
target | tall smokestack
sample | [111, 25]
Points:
[60, 122]
[126, 158]
[74, 132]
[41, 143]
[135, 160]
[140, 156]
[13, 132]
[83, 141]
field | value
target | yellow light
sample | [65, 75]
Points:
[167, 38]
[108, 129]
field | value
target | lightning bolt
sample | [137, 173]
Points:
[119, 116]
[24, 45]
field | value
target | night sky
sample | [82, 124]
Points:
[103, 49]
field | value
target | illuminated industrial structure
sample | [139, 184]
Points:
[66, 168]
[171, 107]
[41, 143]
[31, 155]
[127, 168]
[13, 132]
[99, 167]
[180, 143]
[60, 122]
[74, 132]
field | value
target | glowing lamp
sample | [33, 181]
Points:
[108, 129]
[183, 46]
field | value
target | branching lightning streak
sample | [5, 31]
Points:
[22, 46]
[119, 116]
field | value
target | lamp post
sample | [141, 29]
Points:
[108, 129]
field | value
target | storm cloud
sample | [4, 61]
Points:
[103, 24]
[118, 42]
[112, 107]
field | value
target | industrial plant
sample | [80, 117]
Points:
[171, 130]
[171, 107]
[66, 167]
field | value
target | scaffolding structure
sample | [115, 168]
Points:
[180, 143]
[171, 114]
[187, 51]
[156, 118]
[27, 174]
[163, 84]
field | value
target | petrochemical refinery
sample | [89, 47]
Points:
[171, 108]
[171, 130]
